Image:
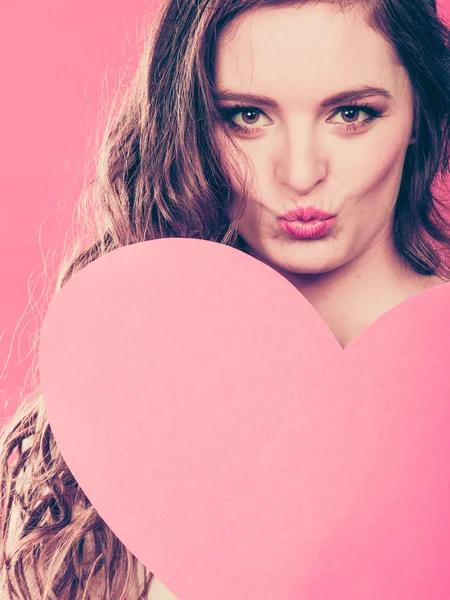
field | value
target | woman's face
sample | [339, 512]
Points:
[306, 149]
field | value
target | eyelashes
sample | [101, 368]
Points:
[228, 113]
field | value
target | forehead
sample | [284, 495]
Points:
[310, 49]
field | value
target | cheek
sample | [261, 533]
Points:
[238, 166]
[373, 161]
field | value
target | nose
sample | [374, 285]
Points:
[301, 164]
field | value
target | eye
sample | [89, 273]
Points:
[252, 118]
[247, 115]
[351, 116]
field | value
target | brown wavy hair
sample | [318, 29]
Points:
[158, 174]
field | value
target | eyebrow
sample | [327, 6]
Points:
[341, 97]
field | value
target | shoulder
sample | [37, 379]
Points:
[158, 591]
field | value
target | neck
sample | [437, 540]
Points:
[354, 296]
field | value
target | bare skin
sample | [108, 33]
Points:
[350, 300]
[302, 155]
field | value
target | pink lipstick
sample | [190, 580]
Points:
[307, 223]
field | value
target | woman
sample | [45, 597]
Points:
[324, 179]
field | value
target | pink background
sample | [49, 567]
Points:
[54, 57]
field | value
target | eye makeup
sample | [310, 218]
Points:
[228, 113]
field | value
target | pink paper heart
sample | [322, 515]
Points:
[219, 429]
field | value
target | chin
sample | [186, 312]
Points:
[300, 265]
[309, 257]
[305, 258]
[308, 269]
